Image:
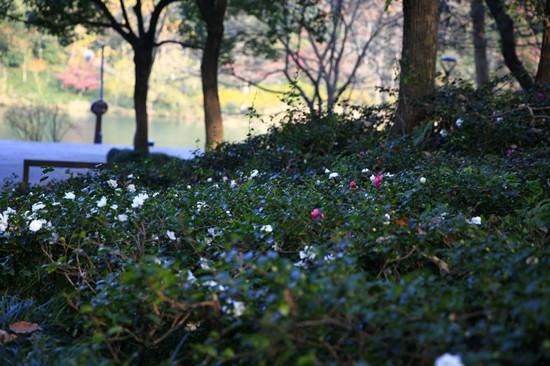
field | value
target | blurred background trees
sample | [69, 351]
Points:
[325, 52]
[38, 122]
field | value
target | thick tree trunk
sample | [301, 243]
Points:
[213, 13]
[477, 12]
[505, 26]
[418, 60]
[143, 63]
[543, 73]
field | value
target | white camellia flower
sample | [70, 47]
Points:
[171, 235]
[114, 207]
[329, 258]
[364, 171]
[36, 225]
[112, 183]
[422, 180]
[327, 171]
[214, 232]
[443, 133]
[254, 173]
[474, 221]
[131, 188]
[203, 262]
[8, 211]
[459, 122]
[233, 184]
[214, 285]
[38, 206]
[191, 277]
[238, 308]
[210, 283]
[122, 217]
[3, 222]
[266, 228]
[69, 196]
[333, 175]
[308, 253]
[139, 200]
[200, 205]
[448, 359]
[102, 202]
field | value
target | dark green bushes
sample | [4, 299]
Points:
[323, 242]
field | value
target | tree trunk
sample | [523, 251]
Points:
[418, 60]
[477, 12]
[543, 73]
[143, 63]
[213, 13]
[505, 26]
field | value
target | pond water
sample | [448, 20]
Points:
[165, 132]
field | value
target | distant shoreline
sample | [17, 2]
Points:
[80, 107]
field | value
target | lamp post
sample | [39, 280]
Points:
[448, 63]
[99, 107]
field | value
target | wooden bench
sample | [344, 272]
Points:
[28, 163]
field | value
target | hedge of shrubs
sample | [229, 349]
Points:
[326, 241]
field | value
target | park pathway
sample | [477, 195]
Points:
[12, 154]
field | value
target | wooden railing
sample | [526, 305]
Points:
[28, 163]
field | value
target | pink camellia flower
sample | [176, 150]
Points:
[317, 214]
[377, 180]
[353, 185]
[511, 150]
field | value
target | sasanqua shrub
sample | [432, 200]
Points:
[326, 241]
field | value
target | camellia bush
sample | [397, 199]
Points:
[324, 242]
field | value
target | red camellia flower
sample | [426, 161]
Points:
[377, 180]
[353, 185]
[317, 214]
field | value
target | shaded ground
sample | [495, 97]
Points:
[12, 154]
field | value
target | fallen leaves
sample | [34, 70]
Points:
[402, 222]
[24, 327]
[18, 328]
[6, 337]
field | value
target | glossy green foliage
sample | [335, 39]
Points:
[283, 250]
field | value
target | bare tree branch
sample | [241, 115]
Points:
[113, 23]
[256, 84]
[361, 57]
[139, 16]
[155, 16]
[125, 16]
[183, 44]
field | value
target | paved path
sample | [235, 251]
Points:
[12, 154]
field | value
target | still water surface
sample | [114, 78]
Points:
[165, 132]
